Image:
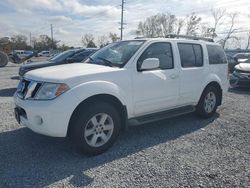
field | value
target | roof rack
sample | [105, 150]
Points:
[189, 37]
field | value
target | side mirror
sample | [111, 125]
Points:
[150, 64]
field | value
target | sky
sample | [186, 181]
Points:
[71, 19]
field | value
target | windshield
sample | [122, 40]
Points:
[62, 56]
[116, 54]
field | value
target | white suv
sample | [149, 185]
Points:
[125, 83]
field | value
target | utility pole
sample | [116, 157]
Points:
[122, 10]
[51, 29]
[30, 38]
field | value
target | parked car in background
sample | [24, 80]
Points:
[128, 82]
[242, 57]
[23, 53]
[43, 54]
[231, 63]
[69, 56]
[241, 75]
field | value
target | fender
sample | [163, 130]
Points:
[91, 88]
[213, 78]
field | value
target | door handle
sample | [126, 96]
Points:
[173, 76]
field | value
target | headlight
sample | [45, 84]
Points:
[50, 91]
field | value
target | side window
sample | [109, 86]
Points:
[160, 50]
[216, 55]
[198, 55]
[191, 55]
[81, 56]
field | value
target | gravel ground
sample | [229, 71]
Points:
[178, 152]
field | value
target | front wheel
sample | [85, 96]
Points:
[208, 102]
[95, 128]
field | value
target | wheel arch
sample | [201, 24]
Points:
[218, 88]
[111, 99]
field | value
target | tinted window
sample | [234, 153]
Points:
[198, 55]
[191, 55]
[82, 55]
[216, 55]
[62, 56]
[160, 50]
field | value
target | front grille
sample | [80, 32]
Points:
[27, 89]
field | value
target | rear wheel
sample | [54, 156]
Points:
[3, 59]
[95, 128]
[208, 102]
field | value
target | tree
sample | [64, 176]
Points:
[91, 44]
[231, 31]
[206, 31]
[64, 47]
[88, 40]
[102, 41]
[159, 25]
[217, 14]
[44, 42]
[114, 37]
[192, 24]
[19, 42]
[179, 25]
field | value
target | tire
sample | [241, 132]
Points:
[3, 59]
[207, 107]
[83, 133]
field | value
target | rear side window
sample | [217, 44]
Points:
[191, 55]
[216, 55]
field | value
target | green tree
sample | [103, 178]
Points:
[91, 44]
[114, 37]
[19, 42]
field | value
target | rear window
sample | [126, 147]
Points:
[191, 55]
[216, 55]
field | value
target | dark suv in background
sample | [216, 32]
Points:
[69, 56]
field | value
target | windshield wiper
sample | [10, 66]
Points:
[107, 62]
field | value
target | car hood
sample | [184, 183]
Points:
[35, 65]
[243, 67]
[71, 74]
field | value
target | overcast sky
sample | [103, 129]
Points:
[71, 19]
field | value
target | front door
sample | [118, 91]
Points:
[156, 90]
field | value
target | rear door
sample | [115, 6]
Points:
[192, 72]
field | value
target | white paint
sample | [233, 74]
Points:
[141, 92]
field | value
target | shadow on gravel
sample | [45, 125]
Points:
[32, 160]
[239, 90]
[15, 78]
[8, 92]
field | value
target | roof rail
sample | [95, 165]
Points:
[189, 37]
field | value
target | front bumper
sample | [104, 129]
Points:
[239, 81]
[50, 118]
